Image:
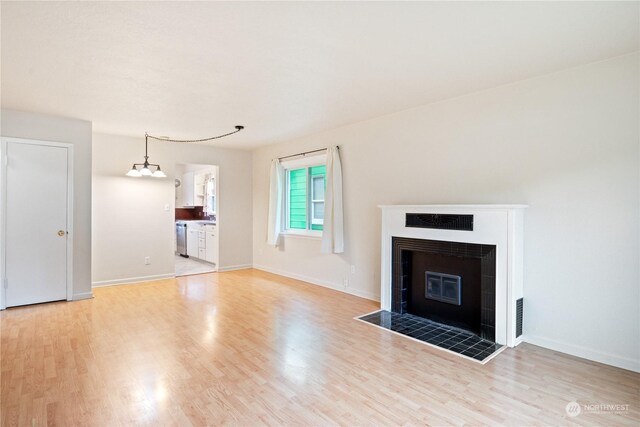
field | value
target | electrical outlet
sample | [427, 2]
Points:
[147, 260]
[167, 207]
[346, 282]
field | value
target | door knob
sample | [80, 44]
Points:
[61, 233]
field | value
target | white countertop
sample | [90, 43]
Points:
[199, 221]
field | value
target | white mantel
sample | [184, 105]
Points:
[499, 225]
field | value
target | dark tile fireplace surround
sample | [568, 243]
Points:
[443, 293]
[474, 264]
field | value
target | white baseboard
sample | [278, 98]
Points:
[82, 295]
[234, 267]
[130, 280]
[585, 353]
[319, 282]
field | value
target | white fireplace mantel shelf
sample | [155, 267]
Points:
[452, 207]
[500, 225]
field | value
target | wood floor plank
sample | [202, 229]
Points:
[252, 348]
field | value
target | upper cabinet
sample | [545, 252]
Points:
[197, 188]
[185, 193]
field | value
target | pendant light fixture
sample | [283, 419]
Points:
[152, 169]
[146, 169]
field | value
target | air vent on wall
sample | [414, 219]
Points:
[519, 308]
[440, 221]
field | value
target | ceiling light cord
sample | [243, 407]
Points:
[160, 138]
[145, 169]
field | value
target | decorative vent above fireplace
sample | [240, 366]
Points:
[440, 221]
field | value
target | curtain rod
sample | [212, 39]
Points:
[304, 153]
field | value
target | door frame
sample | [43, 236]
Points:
[4, 140]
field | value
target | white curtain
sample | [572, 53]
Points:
[276, 204]
[332, 227]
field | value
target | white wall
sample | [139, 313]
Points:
[129, 220]
[566, 144]
[77, 132]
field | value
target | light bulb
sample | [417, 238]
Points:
[158, 173]
[135, 173]
[145, 171]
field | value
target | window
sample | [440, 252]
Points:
[305, 198]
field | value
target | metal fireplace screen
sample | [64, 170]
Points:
[443, 287]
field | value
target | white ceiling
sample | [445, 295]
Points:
[283, 69]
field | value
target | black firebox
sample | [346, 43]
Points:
[448, 282]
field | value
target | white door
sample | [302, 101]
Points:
[36, 223]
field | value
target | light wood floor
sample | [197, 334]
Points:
[251, 348]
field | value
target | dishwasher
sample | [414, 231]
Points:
[181, 239]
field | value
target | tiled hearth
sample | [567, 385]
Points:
[446, 337]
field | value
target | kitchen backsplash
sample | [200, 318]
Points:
[193, 213]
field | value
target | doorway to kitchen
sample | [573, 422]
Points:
[196, 217]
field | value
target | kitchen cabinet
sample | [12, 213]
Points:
[211, 246]
[188, 190]
[192, 241]
[197, 189]
[202, 241]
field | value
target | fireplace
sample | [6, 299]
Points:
[459, 265]
[448, 282]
